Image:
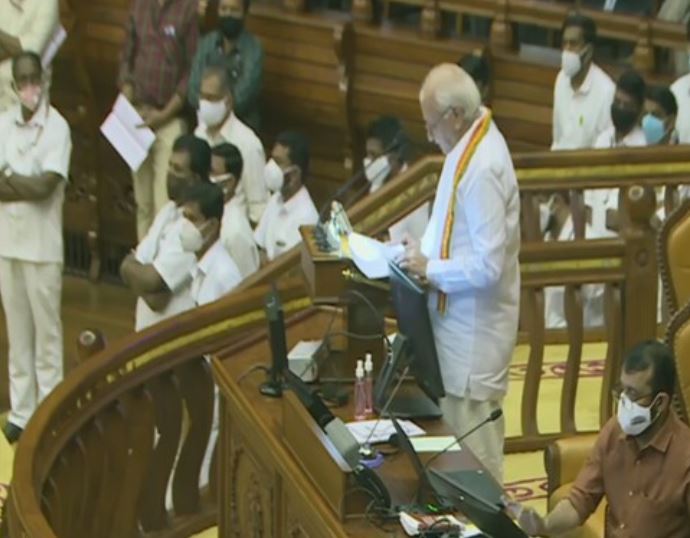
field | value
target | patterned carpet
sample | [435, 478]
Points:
[524, 473]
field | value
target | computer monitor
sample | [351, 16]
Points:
[416, 350]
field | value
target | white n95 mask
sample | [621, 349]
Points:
[571, 63]
[632, 417]
[190, 236]
[212, 113]
[376, 171]
[273, 176]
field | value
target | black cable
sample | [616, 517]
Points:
[374, 310]
[251, 370]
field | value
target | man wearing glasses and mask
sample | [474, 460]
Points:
[640, 462]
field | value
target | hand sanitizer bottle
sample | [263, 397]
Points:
[369, 384]
[360, 392]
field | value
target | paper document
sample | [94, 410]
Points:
[361, 429]
[122, 131]
[434, 443]
[372, 256]
[56, 40]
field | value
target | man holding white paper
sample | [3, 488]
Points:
[469, 257]
[25, 25]
[160, 43]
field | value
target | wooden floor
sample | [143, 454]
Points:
[85, 305]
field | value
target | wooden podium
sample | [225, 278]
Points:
[279, 475]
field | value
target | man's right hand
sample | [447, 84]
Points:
[128, 91]
[528, 518]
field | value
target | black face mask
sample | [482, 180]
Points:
[230, 26]
[623, 119]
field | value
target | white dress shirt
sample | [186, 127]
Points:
[237, 237]
[592, 294]
[601, 200]
[214, 276]
[33, 22]
[251, 191]
[579, 116]
[162, 247]
[32, 230]
[476, 335]
[278, 230]
[681, 90]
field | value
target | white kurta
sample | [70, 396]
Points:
[681, 90]
[579, 116]
[162, 247]
[601, 200]
[238, 238]
[476, 336]
[278, 230]
[251, 191]
[592, 295]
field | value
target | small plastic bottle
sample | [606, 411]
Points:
[369, 383]
[360, 392]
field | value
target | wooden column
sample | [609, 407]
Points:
[643, 57]
[295, 6]
[431, 19]
[641, 282]
[501, 37]
[363, 11]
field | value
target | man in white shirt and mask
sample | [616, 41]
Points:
[25, 25]
[583, 92]
[681, 89]
[159, 269]
[626, 113]
[214, 275]
[35, 151]
[469, 257]
[386, 145]
[236, 232]
[218, 124]
[290, 205]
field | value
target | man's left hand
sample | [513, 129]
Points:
[153, 118]
[413, 261]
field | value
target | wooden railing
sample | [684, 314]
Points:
[88, 465]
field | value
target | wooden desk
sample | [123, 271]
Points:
[265, 490]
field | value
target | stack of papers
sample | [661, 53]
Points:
[382, 429]
[124, 129]
[416, 524]
[372, 256]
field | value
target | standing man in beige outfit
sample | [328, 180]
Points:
[160, 44]
[25, 25]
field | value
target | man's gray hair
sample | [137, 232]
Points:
[449, 86]
[219, 71]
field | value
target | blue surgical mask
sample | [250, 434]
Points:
[654, 129]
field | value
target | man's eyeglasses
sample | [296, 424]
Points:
[632, 395]
[430, 127]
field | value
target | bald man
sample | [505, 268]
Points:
[469, 257]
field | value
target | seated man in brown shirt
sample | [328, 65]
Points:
[640, 462]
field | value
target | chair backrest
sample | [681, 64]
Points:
[678, 337]
[674, 257]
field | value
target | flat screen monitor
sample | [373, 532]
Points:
[410, 304]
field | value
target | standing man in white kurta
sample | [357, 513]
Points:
[469, 256]
[35, 154]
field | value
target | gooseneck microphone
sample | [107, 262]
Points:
[495, 415]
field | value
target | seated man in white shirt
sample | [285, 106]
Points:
[236, 232]
[659, 121]
[290, 205]
[559, 227]
[626, 132]
[583, 92]
[159, 269]
[681, 89]
[218, 124]
[386, 147]
[35, 151]
[214, 275]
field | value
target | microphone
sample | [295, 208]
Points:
[495, 415]
[395, 143]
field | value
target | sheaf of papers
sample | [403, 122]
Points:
[372, 256]
[56, 40]
[361, 429]
[434, 443]
[122, 131]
